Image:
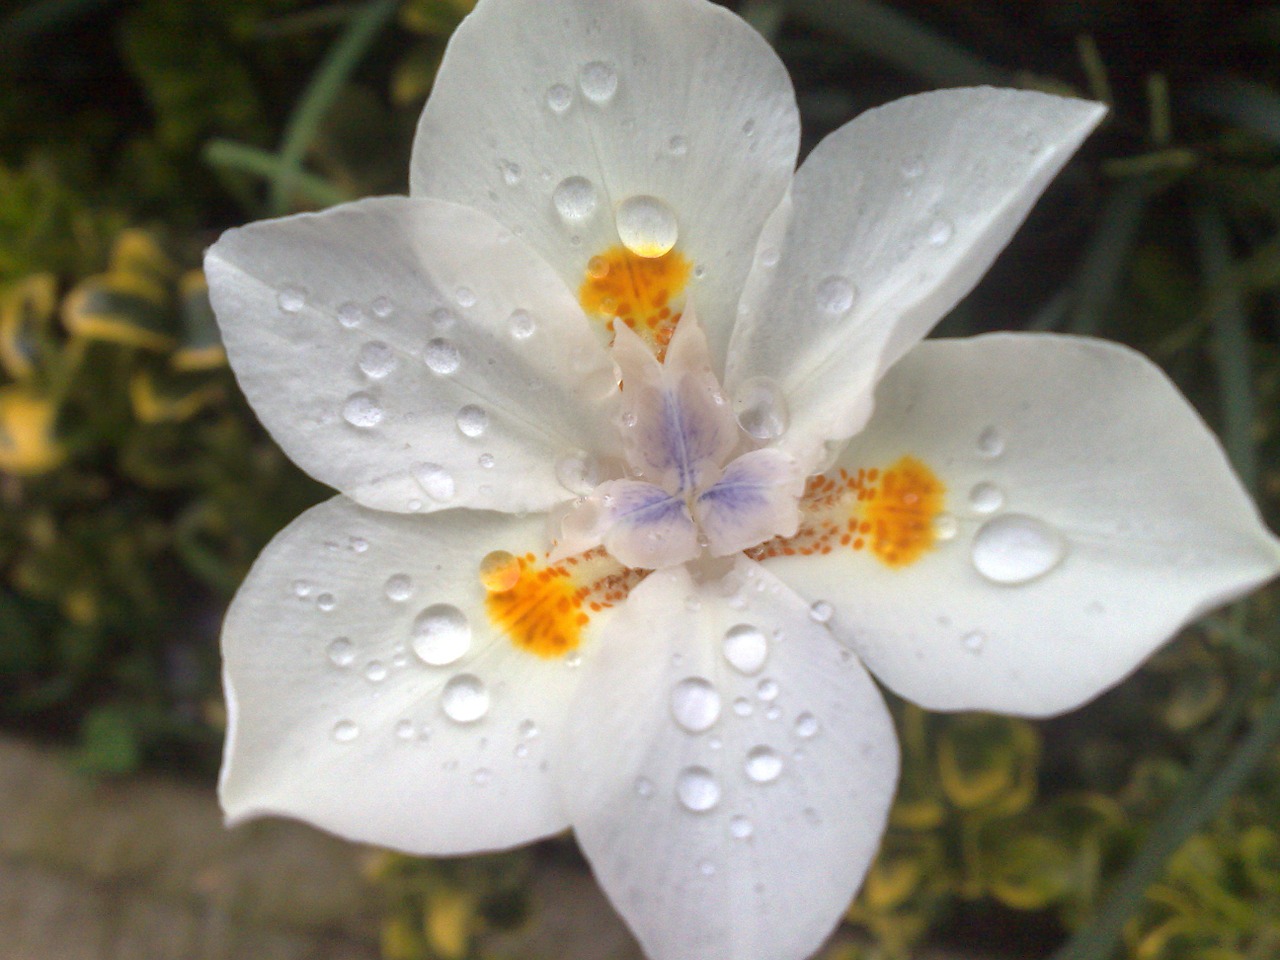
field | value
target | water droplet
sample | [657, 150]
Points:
[835, 295]
[482, 776]
[678, 146]
[646, 226]
[521, 324]
[499, 571]
[769, 257]
[486, 461]
[573, 660]
[375, 671]
[749, 128]
[706, 868]
[742, 707]
[350, 315]
[559, 97]
[574, 198]
[376, 360]
[644, 787]
[697, 789]
[302, 588]
[740, 827]
[974, 641]
[399, 588]
[597, 268]
[344, 731]
[441, 356]
[599, 81]
[436, 480]
[381, 307]
[442, 318]
[811, 816]
[763, 765]
[464, 699]
[361, 410]
[511, 172]
[440, 634]
[986, 497]
[767, 689]
[700, 271]
[527, 730]
[940, 232]
[746, 648]
[1015, 548]
[945, 526]
[578, 472]
[341, 651]
[695, 704]
[821, 612]
[472, 420]
[913, 167]
[990, 443]
[521, 750]
[326, 602]
[806, 725]
[761, 409]
[404, 729]
[291, 299]
[465, 296]
[1032, 142]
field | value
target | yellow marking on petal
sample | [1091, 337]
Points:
[544, 609]
[890, 513]
[645, 293]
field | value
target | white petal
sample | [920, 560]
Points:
[790, 760]
[347, 656]
[1089, 514]
[646, 527]
[895, 216]
[413, 354]
[756, 498]
[674, 99]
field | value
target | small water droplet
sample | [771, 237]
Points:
[990, 443]
[291, 299]
[597, 268]
[706, 868]
[806, 725]
[326, 602]
[465, 296]
[573, 660]
[302, 588]
[486, 461]
[740, 827]
[945, 526]
[1032, 142]
[361, 410]
[821, 612]
[574, 198]
[974, 640]
[746, 648]
[599, 81]
[940, 232]
[381, 306]
[695, 704]
[344, 731]
[441, 356]
[375, 671]
[742, 707]
[482, 776]
[472, 420]
[678, 146]
[986, 497]
[1015, 548]
[749, 128]
[440, 634]
[767, 689]
[528, 730]
[350, 315]
[578, 472]
[769, 257]
[773, 712]
[341, 651]
[376, 360]
[442, 318]
[913, 167]
[436, 480]
[835, 295]
[559, 97]
[700, 271]
[763, 765]
[697, 789]
[761, 408]
[399, 588]
[499, 571]
[646, 226]
[404, 729]
[644, 787]
[521, 750]
[464, 699]
[521, 324]
[511, 172]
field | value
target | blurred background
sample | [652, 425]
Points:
[137, 487]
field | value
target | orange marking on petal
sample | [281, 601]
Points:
[643, 292]
[902, 512]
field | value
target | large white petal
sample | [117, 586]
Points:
[790, 759]
[343, 652]
[893, 219]
[413, 354]
[1070, 458]
[675, 99]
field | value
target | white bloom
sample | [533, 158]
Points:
[1016, 524]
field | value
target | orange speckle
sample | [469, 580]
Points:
[639, 291]
[900, 518]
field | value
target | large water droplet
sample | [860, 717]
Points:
[746, 648]
[695, 704]
[1015, 548]
[472, 420]
[441, 356]
[499, 571]
[399, 588]
[344, 731]
[761, 408]
[361, 410]
[291, 299]
[986, 497]
[341, 651]
[835, 295]
[599, 81]
[646, 226]
[464, 699]
[441, 634]
[763, 765]
[436, 480]
[697, 789]
[574, 198]
[376, 360]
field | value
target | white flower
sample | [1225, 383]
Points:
[1019, 521]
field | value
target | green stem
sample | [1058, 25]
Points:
[229, 155]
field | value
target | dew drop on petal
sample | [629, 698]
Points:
[326, 602]
[404, 729]
[678, 146]
[465, 296]
[440, 634]
[302, 588]
[913, 167]
[464, 699]
[835, 295]
[974, 641]
[761, 408]
[574, 198]
[376, 360]
[706, 868]
[1015, 548]
[646, 226]
[763, 765]
[695, 704]
[499, 571]
[597, 268]
[986, 497]
[472, 420]
[528, 730]
[697, 789]
[441, 356]
[740, 827]
[745, 647]
[361, 410]
[398, 588]
[767, 689]
[482, 776]
[940, 232]
[436, 480]
[578, 472]
[599, 81]
[291, 299]
[806, 725]
[742, 707]
[990, 443]
[511, 172]
[486, 461]
[375, 671]
[344, 731]
[821, 612]
[341, 652]
[350, 315]
[442, 318]
[559, 97]
[381, 306]
[644, 787]
[521, 325]
[945, 526]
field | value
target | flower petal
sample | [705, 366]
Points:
[674, 99]
[756, 498]
[894, 217]
[413, 354]
[727, 811]
[1087, 515]
[377, 690]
